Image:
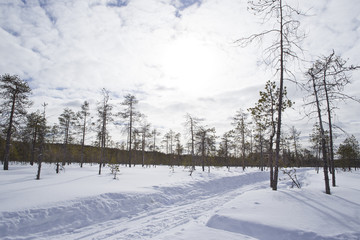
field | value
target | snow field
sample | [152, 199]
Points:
[158, 203]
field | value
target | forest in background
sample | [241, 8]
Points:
[247, 145]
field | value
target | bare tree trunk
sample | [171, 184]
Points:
[33, 149]
[143, 149]
[261, 153]
[271, 161]
[192, 144]
[40, 158]
[332, 164]
[83, 143]
[130, 134]
[271, 157]
[243, 143]
[278, 130]
[323, 141]
[103, 139]
[65, 144]
[203, 152]
[57, 166]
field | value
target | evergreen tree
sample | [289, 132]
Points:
[15, 94]
[266, 116]
[349, 152]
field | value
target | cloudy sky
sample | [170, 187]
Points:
[175, 56]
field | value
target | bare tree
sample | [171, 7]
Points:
[83, 116]
[130, 114]
[31, 132]
[136, 142]
[42, 130]
[191, 125]
[154, 133]
[316, 141]
[335, 75]
[225, 147]
[54, 135]
[34, 134]
[295, 137]
[241, 132]
[145, 134]
[165, 141]
[312, 74]
[15, 93]
[206, 141]
[286, 42]
[178, 146]
[67, 121]
[260, 128]
[105, 115]
[169, 140]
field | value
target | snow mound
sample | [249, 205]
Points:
[269, 232]
[297, 214]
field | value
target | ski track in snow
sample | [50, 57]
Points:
[129, 216]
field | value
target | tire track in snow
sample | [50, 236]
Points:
[151, 224]
[126, 215]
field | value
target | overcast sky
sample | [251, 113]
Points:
[175, 56]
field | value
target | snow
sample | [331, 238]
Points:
[161, 203]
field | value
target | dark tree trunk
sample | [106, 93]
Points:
[271, 164]
[40, 157]
[192, 144]
[8, 135]
[130, 133]
[143, 149]
[203, 153]
[33, 147]
[323, 141]
[261, 153]
[57, 166]
[83, 143]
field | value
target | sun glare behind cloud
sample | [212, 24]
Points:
[190, 62]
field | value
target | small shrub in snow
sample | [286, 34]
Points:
[292, 175]
[114, 168]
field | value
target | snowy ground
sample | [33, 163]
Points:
[158, 203]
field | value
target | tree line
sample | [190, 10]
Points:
[26, 137]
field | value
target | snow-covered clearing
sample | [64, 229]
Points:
[158, 203]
